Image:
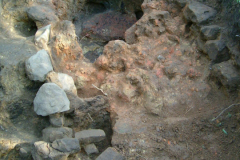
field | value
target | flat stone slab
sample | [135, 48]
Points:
[50, 99]
[90, 136]
[51, 134]
[110, 154]
[69, 145]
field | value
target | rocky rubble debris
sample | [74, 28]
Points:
[110, 154]
[64, 81]
[211, 42]
[90, 136]
[50, 99]
[51, 134]
[198, 12]
[38, 66]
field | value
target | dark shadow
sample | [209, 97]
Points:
[187, 27]
[26, 28]
[95, 8]
[139, 14]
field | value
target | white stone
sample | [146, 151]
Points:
[42, 36]
[62, 80]
[38, 66]
[50, 99]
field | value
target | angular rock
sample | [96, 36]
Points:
[217, 51]
[90, 136]
[227, 74]
[50, 99]
[43, 150]
[201, 44]
[68, 145]
[91, 149]
[110, 154]
[198, 13]
[38, 66]
[181, 3]
[42, 36]
[130, 36]
[62, 80]
[52, 134]
[42, 15]
[57, 119]
[86, 105]
[108, 25]
[81, 82]
[56, 155]
[153, 104]
[25, 152]
[210, 32]
[75, 101]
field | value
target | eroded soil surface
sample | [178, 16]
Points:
[153, 65]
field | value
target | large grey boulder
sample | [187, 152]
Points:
[50, 99]
[51, 134]
[42, 15]
[68, 145]
[38, 66]
[64, 81]
[90, 136]
[110, 154]
[198, 12]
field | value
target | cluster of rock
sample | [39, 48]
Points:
[211, 41]
[60, 142]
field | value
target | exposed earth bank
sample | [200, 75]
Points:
[135, 80]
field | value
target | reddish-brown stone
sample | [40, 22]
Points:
[108, 26]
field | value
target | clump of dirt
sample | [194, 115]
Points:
[166, 67]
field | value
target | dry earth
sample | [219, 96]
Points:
[154, 61]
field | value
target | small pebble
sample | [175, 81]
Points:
[160, 58]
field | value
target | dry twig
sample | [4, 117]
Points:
[225, 110]
[90, 117]
[99, 89]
